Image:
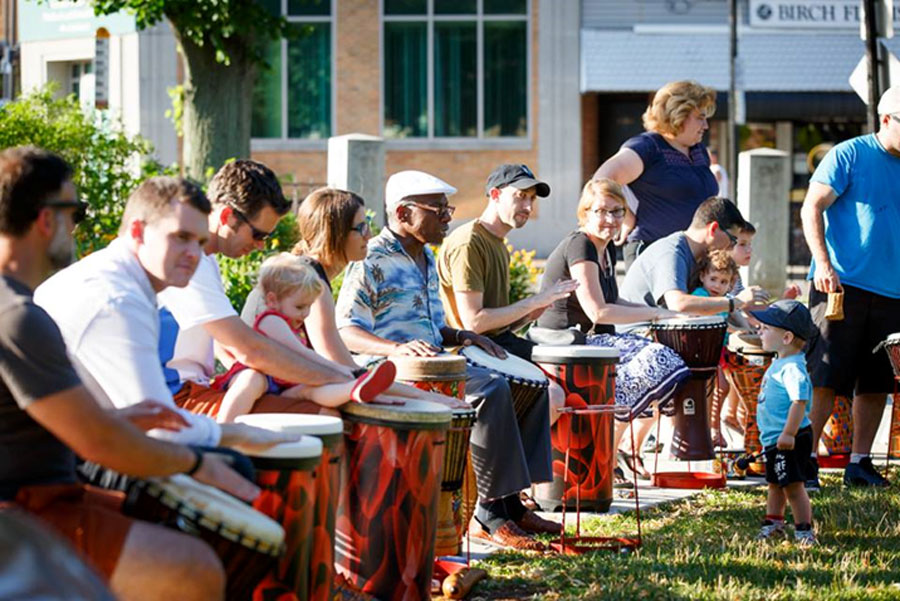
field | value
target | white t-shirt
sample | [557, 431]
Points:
[106, 310]
[203, 300]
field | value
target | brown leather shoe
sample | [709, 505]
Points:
[532, 522]
[507, 535]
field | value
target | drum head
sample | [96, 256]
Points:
[746, 344]
[690, 322]
[442, 367]
[411, 414]
[308, 447]
[211, 507]
[576, 353]
[893, 339]
[512, 366]
[294, 423]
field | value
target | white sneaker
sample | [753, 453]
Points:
[771, 530]
[805, 538]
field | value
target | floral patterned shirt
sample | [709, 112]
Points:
[387, 295]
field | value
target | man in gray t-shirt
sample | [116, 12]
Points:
[661, 275]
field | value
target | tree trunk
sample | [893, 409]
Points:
[217, 103]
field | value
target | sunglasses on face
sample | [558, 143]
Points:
[80, 208]
[258, 234]
[732, 239]
[614, 213]
[362, 228]
[440, 211]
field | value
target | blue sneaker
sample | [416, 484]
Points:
[864, 474]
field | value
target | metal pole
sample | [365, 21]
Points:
[872, 60]
[732, 99]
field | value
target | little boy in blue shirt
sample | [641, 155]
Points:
[782, 414]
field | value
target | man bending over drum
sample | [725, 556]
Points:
[48, 416]
[474, 268]
[663, 274]
[390, 305]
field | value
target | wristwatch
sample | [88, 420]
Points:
[731, 304]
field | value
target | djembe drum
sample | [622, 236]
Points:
[387, 514]
[588, 376]
[248, 542]
[330, 430]
[698, 341]
[285, 475]
[526, 381]
[892, 347]
[747, 364]
[445, 374]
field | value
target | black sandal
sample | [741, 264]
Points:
[624, 460]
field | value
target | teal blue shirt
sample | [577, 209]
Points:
[785, 381]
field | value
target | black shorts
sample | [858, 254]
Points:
[840, 357]
[515, 345]
[787, 467]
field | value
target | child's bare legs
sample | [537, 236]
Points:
[327, 396]
[243, 390]
[363, 389]
[720, 391]
[799, 501]
[776, 500]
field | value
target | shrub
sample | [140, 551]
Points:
[107, 162]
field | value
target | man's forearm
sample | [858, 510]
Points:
[486, 320]
[702, 305]
[814, 232]
[362, 342]
[302, 365]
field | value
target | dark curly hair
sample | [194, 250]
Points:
[248, 186]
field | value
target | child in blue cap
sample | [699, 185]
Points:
[783, 417]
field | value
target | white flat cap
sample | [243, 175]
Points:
[413, 183]
[890, 101]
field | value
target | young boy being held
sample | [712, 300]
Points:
[783, 417]
[290, 286]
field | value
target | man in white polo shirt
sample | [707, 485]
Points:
[247, 203]
[106, 306]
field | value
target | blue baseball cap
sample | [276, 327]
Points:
[788, 315]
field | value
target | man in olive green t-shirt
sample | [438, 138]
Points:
[474, 264]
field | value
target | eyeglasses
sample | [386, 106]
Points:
[615, 213]
[732, 239]
[80, 208]
[438, 210]
[362, 228]
[258, 234]
[895, 118]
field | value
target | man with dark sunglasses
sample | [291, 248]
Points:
[247, 204]
[663, 275]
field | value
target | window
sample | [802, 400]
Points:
[293, 98]
[456, 68]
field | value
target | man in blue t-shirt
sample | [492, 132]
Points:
[851, 215]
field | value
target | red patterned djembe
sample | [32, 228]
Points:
[330, 430]
[588, 376]
[747, 364]
[387, 514]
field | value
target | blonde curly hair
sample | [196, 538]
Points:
[673, 103]
[285, 273]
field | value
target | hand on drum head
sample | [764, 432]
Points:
[249, 439]
[214, 470]
[825, 279]
[449, 401]
[418, 348]
[383, 399]
[489, 346]
[148, 415]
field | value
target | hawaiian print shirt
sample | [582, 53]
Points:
[387, 295]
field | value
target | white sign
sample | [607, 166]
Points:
[808, 14]
[101, 69]
[859, 79]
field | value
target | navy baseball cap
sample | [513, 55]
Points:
[788, 315]
[518, 176]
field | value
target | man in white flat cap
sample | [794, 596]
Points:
[390, 304]
[851, 216]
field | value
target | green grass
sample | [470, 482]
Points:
[703, 548]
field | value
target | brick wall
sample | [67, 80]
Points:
[358, 102]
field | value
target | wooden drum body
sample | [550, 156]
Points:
[698, 340]
[330, 430]
[247, 542]
[588, 376]
[387, 514]
[445, 374]
[526, 381]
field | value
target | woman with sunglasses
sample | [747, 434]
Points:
[333, 232]
[647, 372]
